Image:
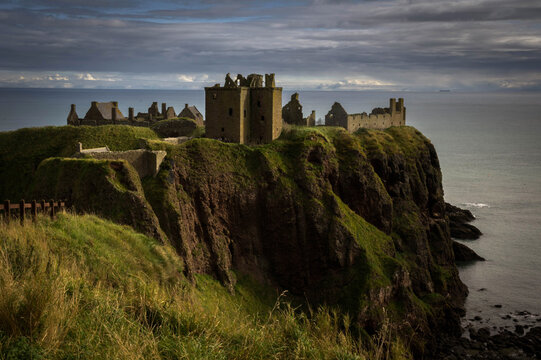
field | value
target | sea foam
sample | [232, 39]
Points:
[476, 205]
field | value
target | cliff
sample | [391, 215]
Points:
[353, 221]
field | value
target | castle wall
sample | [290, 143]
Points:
[292, 111]
[94, 114]
[227, 111]
[266, 115]
[337, 116]
[244, 114]
[145, 162]
[380, 118]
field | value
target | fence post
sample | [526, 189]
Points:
[42, 202]
[21, 211]
[51, 204]
[34, 210]
[7, 211]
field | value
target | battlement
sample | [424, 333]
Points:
[379, 118]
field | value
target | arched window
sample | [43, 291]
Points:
[262, 118]
[230, 111]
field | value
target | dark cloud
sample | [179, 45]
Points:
[407, 43]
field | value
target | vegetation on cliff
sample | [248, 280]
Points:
[177, 127]
[354, 223]
[22, 151]
[83, 287]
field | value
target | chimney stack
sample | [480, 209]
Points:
[113, 114]
[130, 114]
[164, 109]
[115, 103]
[94, 103]
[72, 107]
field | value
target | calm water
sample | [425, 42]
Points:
[489, 148]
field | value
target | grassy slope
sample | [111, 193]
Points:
[83, 287]
[21, 151]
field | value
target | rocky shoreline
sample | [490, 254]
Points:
[460, 228]
[518, 334]
[480, 344]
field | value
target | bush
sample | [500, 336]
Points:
[175, 127]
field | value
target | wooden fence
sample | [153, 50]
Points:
[20, 209]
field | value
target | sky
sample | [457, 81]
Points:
[470, 45]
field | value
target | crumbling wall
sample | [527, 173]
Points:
[337, 116]
[292, 111]
[145, 162]
[311, 119]
[380, 118]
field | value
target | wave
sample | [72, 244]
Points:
[476, 205]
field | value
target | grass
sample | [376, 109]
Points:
[22, 151]
[83, 287]
[177, 127]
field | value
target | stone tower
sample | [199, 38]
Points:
[244, 110]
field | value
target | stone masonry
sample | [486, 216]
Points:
[243, 110]
[145, 162]
[107, 113]
[379, 118]
[292, 113]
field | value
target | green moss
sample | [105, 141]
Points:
[176, 127]
[22, 151]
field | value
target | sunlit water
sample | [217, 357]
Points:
[489, 148]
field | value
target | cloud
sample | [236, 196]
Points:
[320, 43]
[57, 77]
[185, 78]
[356, 84]
[86, 76]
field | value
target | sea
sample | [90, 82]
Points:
[489, 146]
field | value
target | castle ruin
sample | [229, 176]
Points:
[108, 113]
[243, 110]
[193, 113]
[292, 113]
[379, 118]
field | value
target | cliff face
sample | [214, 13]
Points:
[356, 221]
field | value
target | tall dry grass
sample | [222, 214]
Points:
[83, 288]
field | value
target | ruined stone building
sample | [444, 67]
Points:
[243, 110]
[145, 162]
[191, 112]
[98, 114]
[153, 113]
[292, 113]
[107, 113]
[379, 118]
